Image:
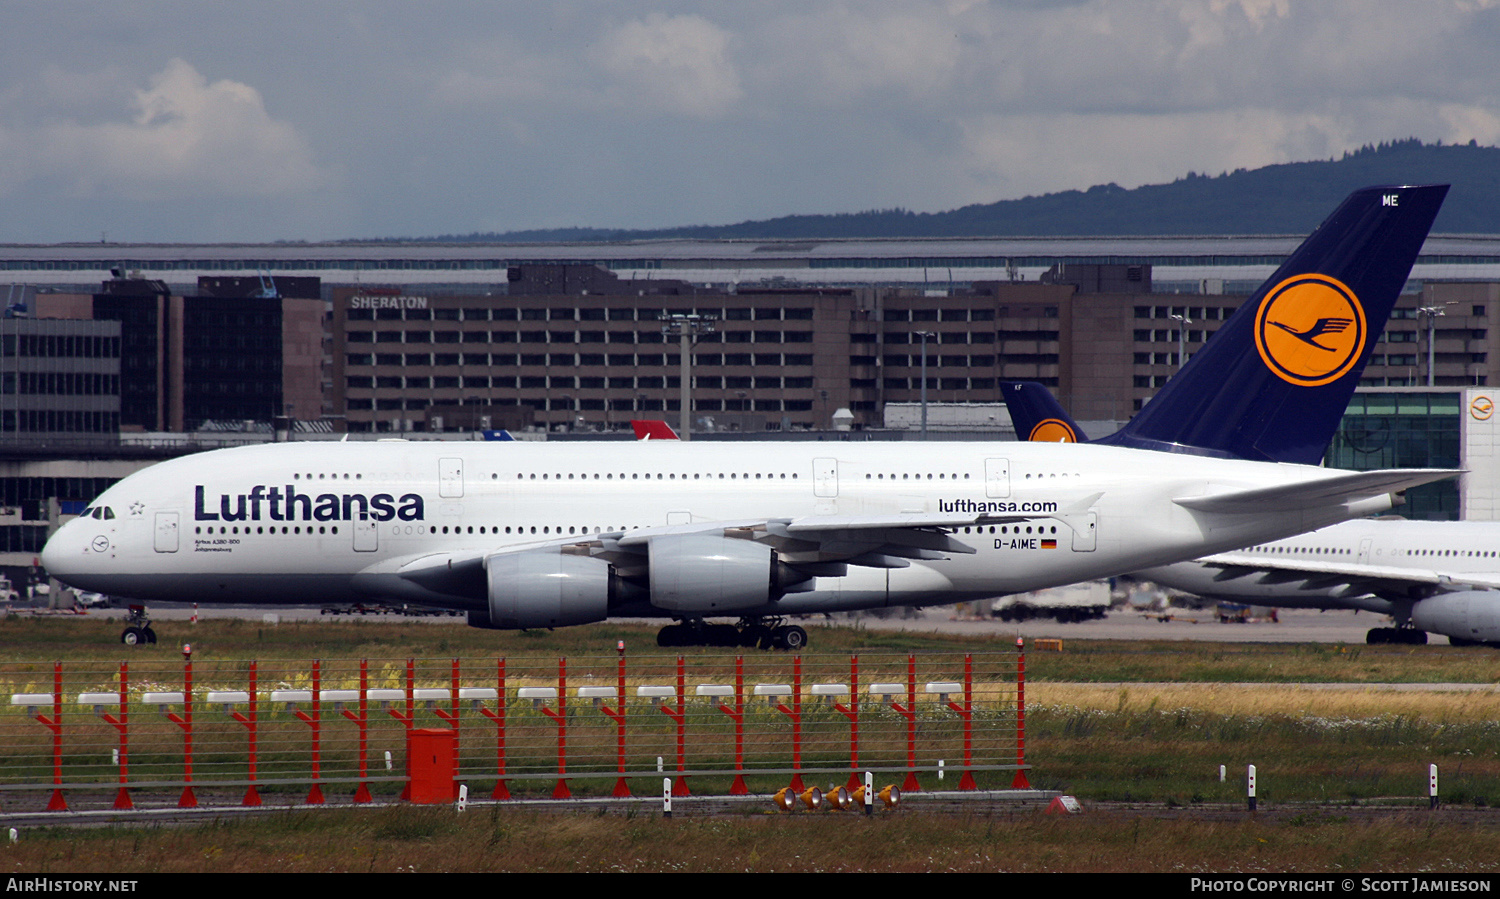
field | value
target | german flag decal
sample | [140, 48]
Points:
[1310, 330]
[1049, 544]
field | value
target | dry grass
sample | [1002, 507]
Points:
[501, 840]
[1458, 706]
[1157, 741]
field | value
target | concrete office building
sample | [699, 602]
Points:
[59, 383]
[597, 356]
[227, 354]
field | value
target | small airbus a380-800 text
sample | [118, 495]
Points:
[524, 535]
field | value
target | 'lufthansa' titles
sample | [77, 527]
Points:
[287, 504]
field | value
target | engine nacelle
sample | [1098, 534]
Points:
[1469, 615]
[701, 574]
[540, 589]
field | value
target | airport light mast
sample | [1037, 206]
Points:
[687, 327]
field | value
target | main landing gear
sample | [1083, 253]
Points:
[767, 633]
[138, 629]
[1405, 636]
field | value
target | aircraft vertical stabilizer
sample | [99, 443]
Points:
[1037, 415]
[1294, 352]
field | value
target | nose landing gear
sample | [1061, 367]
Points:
[138, 627]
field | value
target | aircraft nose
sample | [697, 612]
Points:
[61, 554]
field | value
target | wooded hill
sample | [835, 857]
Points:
[1278, 199]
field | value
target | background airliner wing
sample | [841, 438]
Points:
[1311, 574]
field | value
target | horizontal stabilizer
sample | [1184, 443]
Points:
[1337, 488]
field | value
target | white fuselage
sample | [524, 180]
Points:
[293, 523]
[1352, 565]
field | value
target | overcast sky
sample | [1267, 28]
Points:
[193, 121]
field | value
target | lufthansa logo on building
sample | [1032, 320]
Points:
[1482, 408]
[1052, 430]
[1310, 330]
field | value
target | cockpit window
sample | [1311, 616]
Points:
[109, 513]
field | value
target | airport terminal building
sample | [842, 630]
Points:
[141, 347]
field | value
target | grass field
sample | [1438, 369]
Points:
[1341, 772]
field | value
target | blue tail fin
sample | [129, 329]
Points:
[1037, 415]
[1274, 381]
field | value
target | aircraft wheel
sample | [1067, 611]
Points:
[149, 634]
[132, 636]
[671, 635]
[1377, 636]
[790, 637]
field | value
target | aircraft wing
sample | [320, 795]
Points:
[817, 545]
[1311, 574]
[1347, 486]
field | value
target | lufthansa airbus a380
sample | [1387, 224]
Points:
[528, 535]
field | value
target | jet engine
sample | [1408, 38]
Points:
[701, 574]
[541, 589]
[1472, 615]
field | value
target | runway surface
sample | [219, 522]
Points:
[1123, 623]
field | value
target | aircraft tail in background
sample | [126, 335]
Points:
[653, 430]
[1037, 415]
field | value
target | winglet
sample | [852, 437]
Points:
[1276, 378]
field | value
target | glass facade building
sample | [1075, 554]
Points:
[1410, 428]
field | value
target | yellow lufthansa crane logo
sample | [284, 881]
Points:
[1052, 430]
[1482, 408]
[1310, 330]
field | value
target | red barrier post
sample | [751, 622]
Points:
[498, 716]
[678, 714]
[251, 724]
[560, 715]
[185, 723]
[54, 724]
[795, 714]
[122, 725]
[406, 718]
[617, 715]
[737, 715]
[361, 718]
[909, 712]
[966, 714]
[314, 720]
[851, 711]
[1020, 782]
